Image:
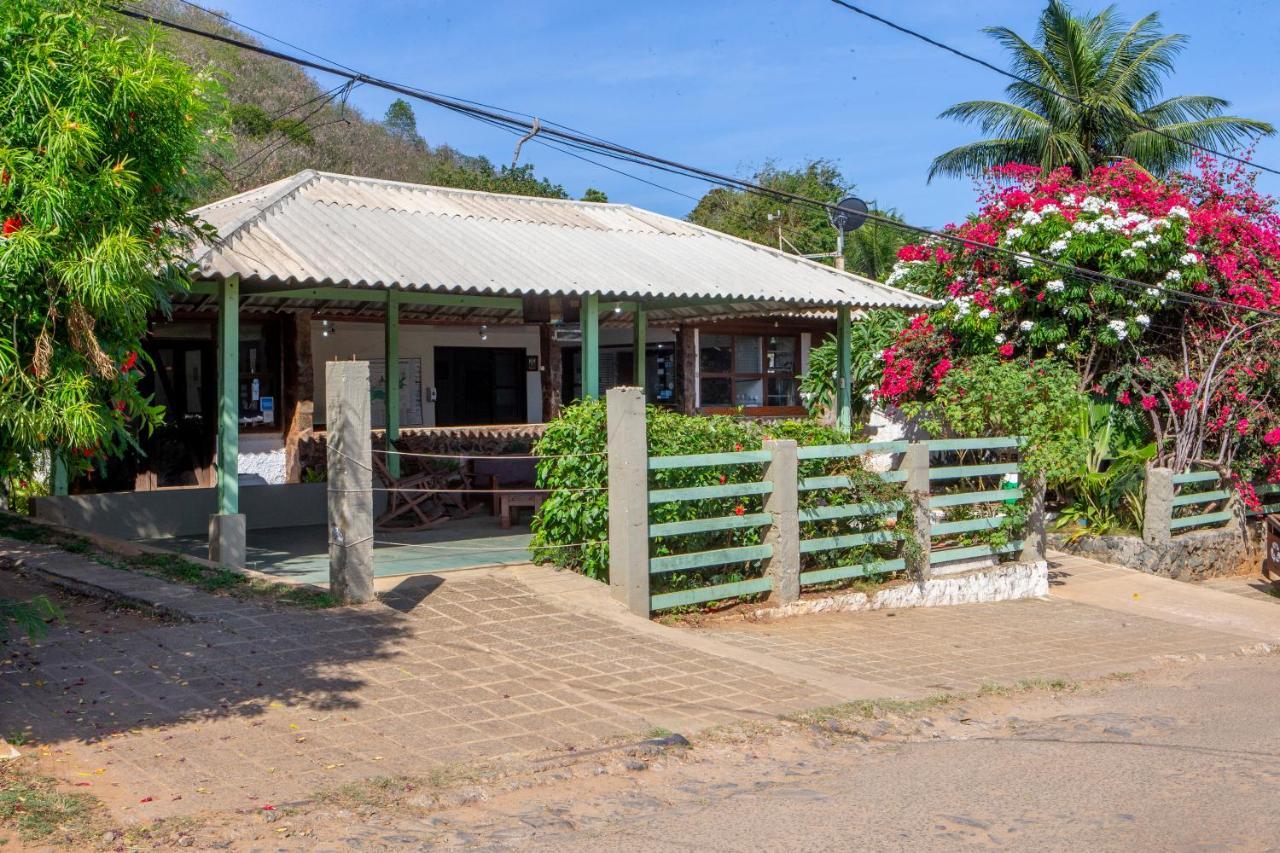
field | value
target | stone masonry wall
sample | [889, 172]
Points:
[1191, 556]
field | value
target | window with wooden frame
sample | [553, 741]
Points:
[756, 373]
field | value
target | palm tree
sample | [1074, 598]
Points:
[1095, 82]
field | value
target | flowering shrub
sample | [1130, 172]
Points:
[1202, 376]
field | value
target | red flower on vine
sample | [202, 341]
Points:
[12, 225]
[739, 510]
[129, 361]
[1149, 402]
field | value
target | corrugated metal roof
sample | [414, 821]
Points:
[320, 229]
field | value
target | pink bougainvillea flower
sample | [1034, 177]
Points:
[1006, 350]
[1272, 438]
[1149, 402]
[1123, 398]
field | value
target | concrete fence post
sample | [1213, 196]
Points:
[783, 504]
[1034, 536]
[628, 448]
[916, 463]
[1159, 509]
[349, 449]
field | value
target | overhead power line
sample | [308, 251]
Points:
[583, 142]
[1134, 123]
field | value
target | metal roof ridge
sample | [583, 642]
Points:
[525, 199]
[255, 212]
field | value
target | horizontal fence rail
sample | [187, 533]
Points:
[1193, 500]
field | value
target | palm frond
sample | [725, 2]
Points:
[976, 156]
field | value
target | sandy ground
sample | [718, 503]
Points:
[1182, 757]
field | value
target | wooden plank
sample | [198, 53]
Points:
[1201, 497]
[1195, 477]
[946, 444]
[698, 493]
[844, 451]
[827, 513]
[947, 527]
[855, 571]
[848, 540]
[955, 472]
[950, 555]
[1267, 488]
[686, 597]
[1202, 519]
[704, 460]
[701, 559]
[709, 525]
[963, 498]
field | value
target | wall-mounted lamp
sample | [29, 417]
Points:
[484, 333]
[327, 329]
[617, 309]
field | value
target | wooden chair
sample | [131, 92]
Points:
[411, 502]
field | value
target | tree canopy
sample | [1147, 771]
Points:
[1092, 82]
[402, 123]
[98, 136]
[804, 229]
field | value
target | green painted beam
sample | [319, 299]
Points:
[963, 498]
[828, 513]
[702, 559]
[943, 444]
[1195, 477]
[945, 528]
[1201, 497]
[950, 555]
[849, 540]
[844, 372]
[1202, 519]
[686, 597]
[955, 472]
[589, 314]
[391, 376]
[379, 295]
[706, 460]
[840, 451]
[229, 397]
[855, 571]
[60, 480]
[701, 493]
[709, 525]
[638, 332]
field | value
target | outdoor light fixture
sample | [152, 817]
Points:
[617, 309]
[484, 333]
[327, 329]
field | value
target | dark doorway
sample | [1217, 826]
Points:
[480, 385]
[183, 379]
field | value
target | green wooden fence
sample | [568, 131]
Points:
[1195, 489]
[974, 475]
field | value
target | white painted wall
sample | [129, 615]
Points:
[365, 341]
[262, 456]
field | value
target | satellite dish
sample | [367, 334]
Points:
[849, 214]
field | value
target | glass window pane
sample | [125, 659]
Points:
[748, 392]
[782, 355]
[747, 355]
[783, 392]
[715, 353]
[716, 391]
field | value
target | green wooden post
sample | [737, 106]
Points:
[637, 345]
[590, 318]
[58, 463]
[844, 367]
[392, 376]
[229, 397]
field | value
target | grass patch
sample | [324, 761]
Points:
[34, 808]
[1026, 685]
[172, 567]
[378, 792]
[869, 709]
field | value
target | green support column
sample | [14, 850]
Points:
[59, 464]
[844, 394]
[229, 397]
[637, 345]
[590, 318]
[392, 373]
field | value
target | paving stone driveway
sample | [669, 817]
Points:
[268, 707]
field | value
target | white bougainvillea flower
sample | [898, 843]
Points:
[1120, 327]
[984, 313]
[1000, 338]
[1055, 286]
[1142, 320]
[1180, 212]
[1189, 258]
[1173, 275]
[1027, 325]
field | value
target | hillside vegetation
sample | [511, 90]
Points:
[282, 122]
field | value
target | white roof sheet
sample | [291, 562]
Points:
[321, 229]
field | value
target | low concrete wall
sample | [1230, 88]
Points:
[182, 512]
[1191, 556]
[1005, 582]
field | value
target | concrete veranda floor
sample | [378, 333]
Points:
[302, 553]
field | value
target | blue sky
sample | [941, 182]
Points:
[728, 85]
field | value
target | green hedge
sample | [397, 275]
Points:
[568, 517]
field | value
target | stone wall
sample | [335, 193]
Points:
[1190, 556]
[480, 441]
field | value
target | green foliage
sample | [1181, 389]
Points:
[593, 194]
[480, 174]
[28, 617]
[96, 135]
[250, 120]
[1114, 74]
[988, 397]
[578, 511]
[401, 122]
[1109, 491]
[868, 338]
[869, 251]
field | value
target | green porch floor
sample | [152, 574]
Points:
[302, 553]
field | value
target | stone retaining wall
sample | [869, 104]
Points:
[1191, 556]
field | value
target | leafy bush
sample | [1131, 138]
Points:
[985, 396]
[868, 338]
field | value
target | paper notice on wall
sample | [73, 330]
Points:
[410, 392]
